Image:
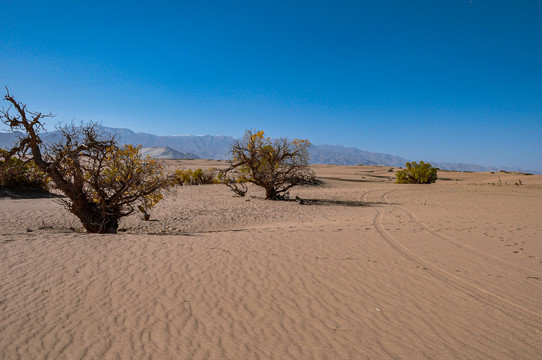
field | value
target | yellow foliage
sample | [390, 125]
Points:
[125, 170]
[274, 164]
[197, 177]
[16, 173]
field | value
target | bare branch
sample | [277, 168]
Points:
[102, 181]
[276, 165]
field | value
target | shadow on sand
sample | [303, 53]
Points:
[349, 203]
[25, 193]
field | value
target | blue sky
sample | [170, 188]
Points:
[435, 80]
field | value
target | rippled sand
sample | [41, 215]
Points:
[367, 269]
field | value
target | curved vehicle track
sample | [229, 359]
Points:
[462, 245]
[466, 286]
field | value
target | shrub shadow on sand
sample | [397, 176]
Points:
[25, 193]
[349, 203]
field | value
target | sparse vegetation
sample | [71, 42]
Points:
[422, 173]
[18, 174]
[236, 183]
[102, 181]
[197, 177]
[277, 165]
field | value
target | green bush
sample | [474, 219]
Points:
[16, 173]
[422, 173]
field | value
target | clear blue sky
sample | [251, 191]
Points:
[436, 80]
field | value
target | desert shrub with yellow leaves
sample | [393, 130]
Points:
[197, 177]
[277, 165]
[102, 181]
[422, 173]
[16, 173]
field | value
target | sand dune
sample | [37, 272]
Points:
[366, 270]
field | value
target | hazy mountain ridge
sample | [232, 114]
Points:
[206, 147]
[218, 146]
[340, 155]
[165, 152]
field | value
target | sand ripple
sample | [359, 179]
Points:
[292, 282]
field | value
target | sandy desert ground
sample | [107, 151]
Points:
[366, 269]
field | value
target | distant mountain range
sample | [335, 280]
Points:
[217, 147]
[165, 152]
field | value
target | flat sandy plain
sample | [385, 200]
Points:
[366, 269]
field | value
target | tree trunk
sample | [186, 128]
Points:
[99, 226]
[271, 194]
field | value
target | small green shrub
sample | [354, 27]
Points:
[16, 173]
[422, 173]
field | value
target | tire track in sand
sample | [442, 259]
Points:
[489, 298]
[462, 245]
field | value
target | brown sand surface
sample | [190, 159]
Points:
[366, 269]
